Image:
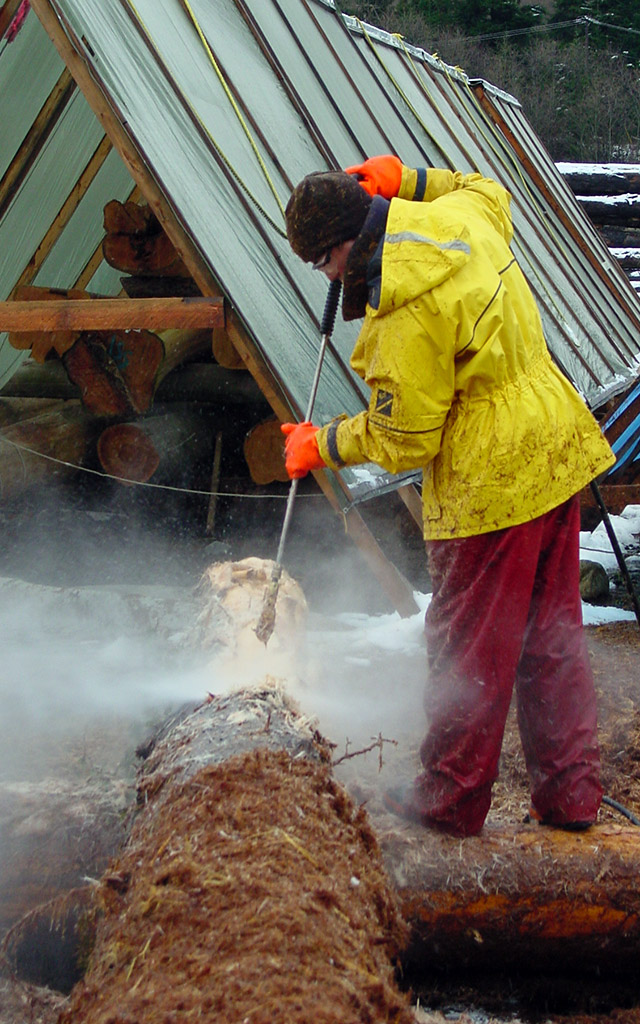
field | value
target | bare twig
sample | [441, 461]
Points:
[377, 744]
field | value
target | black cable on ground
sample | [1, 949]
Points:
[623, 810]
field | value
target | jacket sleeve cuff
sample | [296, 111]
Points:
[327, 438]
[413, 184]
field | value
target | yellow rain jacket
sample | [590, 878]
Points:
[462, 383]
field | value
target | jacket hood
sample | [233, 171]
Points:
[423, 246]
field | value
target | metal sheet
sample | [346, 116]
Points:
[226, 128]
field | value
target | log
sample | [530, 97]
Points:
[180, 346]
[168, 446]
[224, 351]
[136, 244]
[190, 382]
[118, 373]
[617, 236]
[250, 888]
[56, 833]
[115, 373]
[527, 897]
[36, 451]
[263, 450]
[12, 410]
[625, 210]
[606, 180]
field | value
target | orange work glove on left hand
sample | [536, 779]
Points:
[379, 175]
[301, 449]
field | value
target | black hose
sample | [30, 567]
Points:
[623, 810]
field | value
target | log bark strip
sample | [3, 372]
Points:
[250, 887]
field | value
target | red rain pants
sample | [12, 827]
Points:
[506, 611]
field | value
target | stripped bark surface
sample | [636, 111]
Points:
[250, 887]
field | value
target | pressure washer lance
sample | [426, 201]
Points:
[267, 620]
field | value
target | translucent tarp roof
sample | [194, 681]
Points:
[228, 105]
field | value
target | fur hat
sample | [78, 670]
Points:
[325, 209]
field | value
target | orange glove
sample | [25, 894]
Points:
[379, 175]
[301, 449]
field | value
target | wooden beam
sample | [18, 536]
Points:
[35, 138]
[110, 314]
[7, 14]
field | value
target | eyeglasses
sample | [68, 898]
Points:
[323, 261]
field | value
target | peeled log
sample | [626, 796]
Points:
[250, 887]
[169, 446]
[118, 372]
[263, 450]
[115, 371]
[136, 243]
[527, 897]
[34, 451]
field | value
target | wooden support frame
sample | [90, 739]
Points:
[35, 138]
[65, 213]
[7, 14]
[391, 580]
[111, 314]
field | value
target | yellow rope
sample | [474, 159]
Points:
[397, 85]
[233, 103]
[225, 160]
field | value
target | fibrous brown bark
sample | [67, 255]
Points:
[250, 888]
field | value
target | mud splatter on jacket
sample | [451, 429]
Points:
[462, 383]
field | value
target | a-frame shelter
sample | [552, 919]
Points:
[210, 113]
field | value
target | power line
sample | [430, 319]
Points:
[584, 20]
[525, 31]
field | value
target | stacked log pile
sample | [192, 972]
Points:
[171, 347]
[610, 196]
